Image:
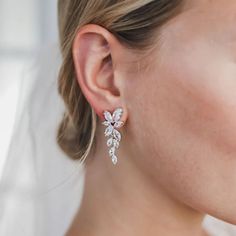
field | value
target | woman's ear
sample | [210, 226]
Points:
[94, 53]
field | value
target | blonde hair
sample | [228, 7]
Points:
[132, 22]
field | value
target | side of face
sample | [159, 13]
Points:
[183, 121]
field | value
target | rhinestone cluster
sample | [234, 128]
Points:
[112, 121]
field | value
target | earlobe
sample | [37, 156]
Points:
[93, 64]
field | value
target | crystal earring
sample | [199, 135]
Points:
[112, 121]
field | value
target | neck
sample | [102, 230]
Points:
[122, 200]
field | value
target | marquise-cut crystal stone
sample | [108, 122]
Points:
[114, 159]
[116, 143]
[106, 123]
[118, 124]
[108, 130]
[117, 114]
[117, 135]
[109, 142]
[112, 151]
[108, 116]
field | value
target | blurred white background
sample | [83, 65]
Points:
[26, 28]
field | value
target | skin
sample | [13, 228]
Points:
[177, 156]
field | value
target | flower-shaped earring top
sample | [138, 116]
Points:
[112, 121]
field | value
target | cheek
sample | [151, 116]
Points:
[185, 128]
[203, 97]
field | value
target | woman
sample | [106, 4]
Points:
[166, 70]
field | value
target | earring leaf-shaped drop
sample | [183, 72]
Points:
[112, 121]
